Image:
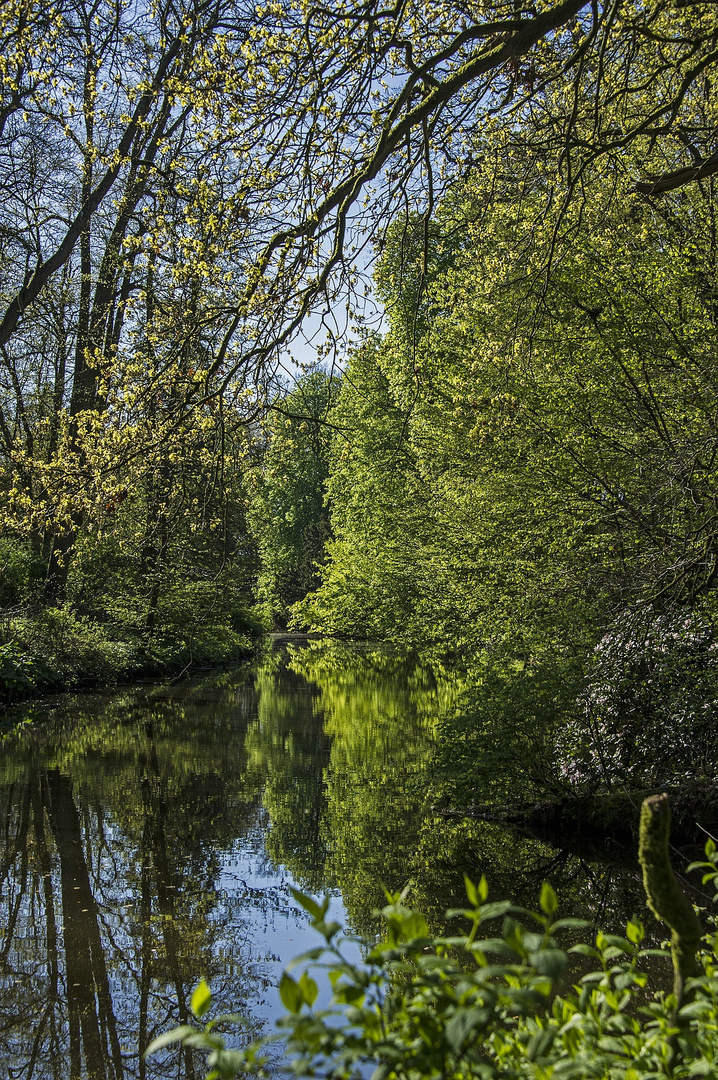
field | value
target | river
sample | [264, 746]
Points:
[152, 835]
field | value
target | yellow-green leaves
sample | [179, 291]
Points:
[201, 999]
[548, 900]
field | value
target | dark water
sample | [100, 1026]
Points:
[151, 836]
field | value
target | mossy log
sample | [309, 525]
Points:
[665, 897]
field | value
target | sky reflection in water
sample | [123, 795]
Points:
[150, 837]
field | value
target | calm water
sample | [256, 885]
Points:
[151, 836]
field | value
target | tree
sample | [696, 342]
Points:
[395, 104]
[377, 508]
[357, 89]
[161, 244]
[558, 423]
[287, 514]
[592, 388]
[100, 105]
[557, 440]
[90, 994]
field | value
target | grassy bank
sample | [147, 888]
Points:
[59, 649]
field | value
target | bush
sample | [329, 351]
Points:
[22, 673]
[20, 572]
[59, 648]
[649, 714]
[475, 1008]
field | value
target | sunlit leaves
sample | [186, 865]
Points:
[201, 999]
[437, 1007]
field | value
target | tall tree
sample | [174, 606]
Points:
[130, 143]
[287, 515]
[558, 424]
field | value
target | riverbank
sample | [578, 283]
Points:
[59, 650]
[591, 819]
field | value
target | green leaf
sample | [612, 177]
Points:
[327, 929]
[229, 1063]
[540, 1043]
[167, 1038]
[462, 1024]
[548, 900]
[551, 962]
[292, 997]
[634, 931]
[310, 954]
[316, 910]
[229, 1018]
[201, 999]
[415, 926]
[309, 988]
[496, 910]
[585, 950]
[200, 1040]
[611, 942]
[471, 891]
[348, 994]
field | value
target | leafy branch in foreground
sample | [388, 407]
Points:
[467, 1006]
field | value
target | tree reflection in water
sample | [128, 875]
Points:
[376, 825]
[148, 839]
[116, 819]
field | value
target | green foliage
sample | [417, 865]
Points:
[356, 747]
[23, 671]
[57, 648]
[287, 513]
[341, 741]
[469, 1006]
[161, 583]
[496, 742]
[536, 437]
[372, 576]
[529, 466]
[647, 716]
[378, 718]
[20, 571]
[536, 441]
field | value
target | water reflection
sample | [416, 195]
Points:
[149, 838]
[288, 753]
[118, 820]
[378, 713]
[378, 827]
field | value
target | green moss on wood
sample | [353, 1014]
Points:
[666, 899]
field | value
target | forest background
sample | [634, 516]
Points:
[514, 474]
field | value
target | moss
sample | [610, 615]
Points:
[665, 897]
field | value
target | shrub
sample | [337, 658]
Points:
[59, 647]
[20, 571]
[469, 1007]
[22, 673]
[649, 714]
